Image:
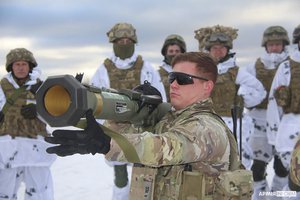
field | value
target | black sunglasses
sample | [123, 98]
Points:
[183, 78]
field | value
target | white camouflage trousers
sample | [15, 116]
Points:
[38, 183]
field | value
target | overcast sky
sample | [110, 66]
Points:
[70, 36]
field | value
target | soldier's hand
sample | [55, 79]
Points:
[90, 140]
[1, 116]
[29, 111]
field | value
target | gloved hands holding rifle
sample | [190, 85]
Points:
[90, 140]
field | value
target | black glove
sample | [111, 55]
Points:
[29, 111]
[90, 140]
[34, 88]
[1, 116]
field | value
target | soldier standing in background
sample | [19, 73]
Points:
[124, 69]
[173, 45]
[23, 156]
[235, 88]
[275, 39]
[283, 114]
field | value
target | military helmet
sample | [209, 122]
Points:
[218, 38]
[218, 34]
[19, 54]
[296, 34]
[122, 30]
[275, 33]
[173, 39]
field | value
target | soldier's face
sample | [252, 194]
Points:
[21, 69]
[275, 46]
[173, 50]
[218, 51]
[184, 95]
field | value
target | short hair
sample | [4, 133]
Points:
[206, 64]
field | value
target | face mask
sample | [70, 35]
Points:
[168, 59]
[123, 51]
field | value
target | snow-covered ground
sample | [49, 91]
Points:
[81, 177]
[86, 177]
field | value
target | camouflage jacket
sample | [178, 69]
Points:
[294, 175]
[180, 137]
[187, 136]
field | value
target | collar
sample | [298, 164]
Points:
[33, 76]
[124, 64]
[272, 60]
[166, 67]
[199, 106]
[226, 65]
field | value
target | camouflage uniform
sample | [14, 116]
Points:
[234, 86]
[262, 143]
[117, 73]
[283, 114]
[183, 138]
[23, 154]
[166, 67]
[26, 128]
[294, 176]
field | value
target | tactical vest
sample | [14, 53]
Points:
[14, 123]
[124, 78]
[294, 105]
[224, 94]
[265, 76]
[164, 77]
[198, 180]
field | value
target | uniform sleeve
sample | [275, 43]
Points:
[251, 89]
[153, 77]
[274, 112]
[100, 78]
[190, 141]
[251, 69]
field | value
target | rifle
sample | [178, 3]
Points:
[237, 112]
